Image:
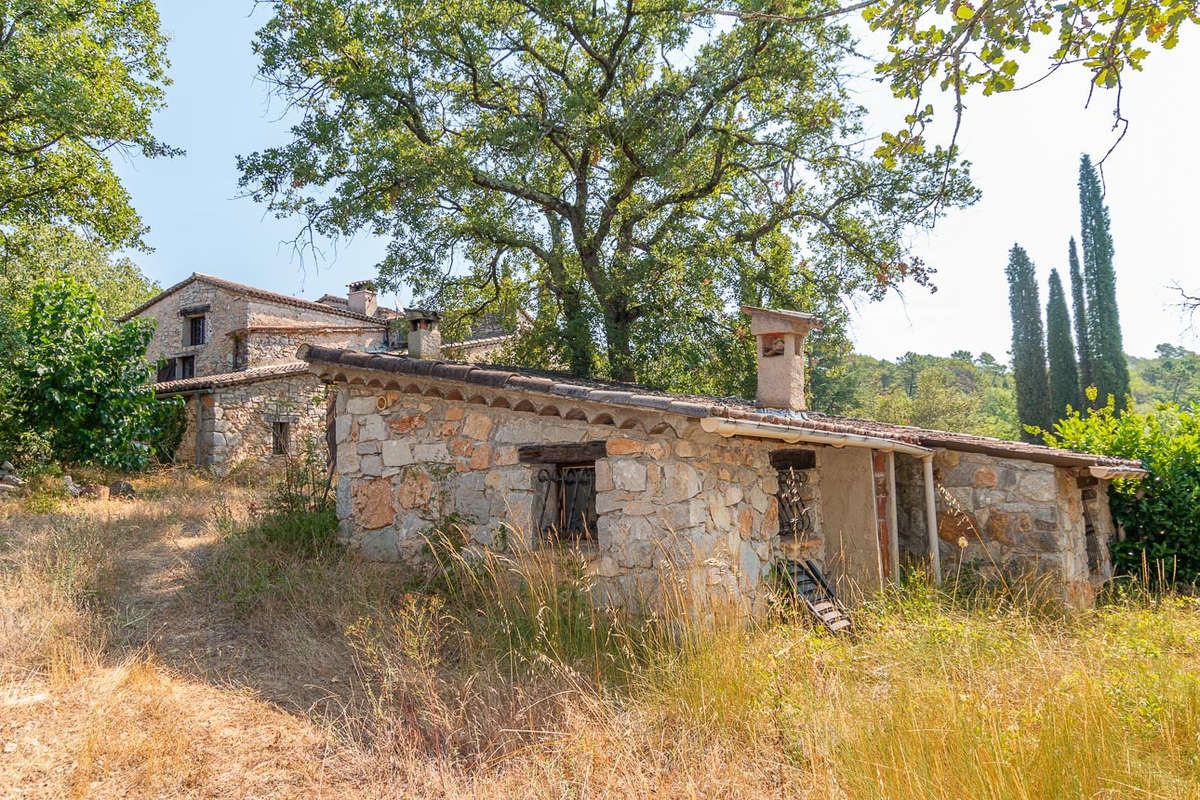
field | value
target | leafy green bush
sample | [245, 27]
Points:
[168, 420]
[300, 515]
[78, 381]
[1161, 514]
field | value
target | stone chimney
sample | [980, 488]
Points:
[424, 338]
[361, 299]
[780, 344]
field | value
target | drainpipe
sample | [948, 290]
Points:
[935, 558]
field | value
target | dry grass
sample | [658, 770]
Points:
[154, 649]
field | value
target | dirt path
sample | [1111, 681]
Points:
[183, 699]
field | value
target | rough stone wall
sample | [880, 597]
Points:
[1100, 527]
[695, 501]
[264, 312]
[236, 421]
[275, 347]
[228, 312]
[186, 452]
[911, 532]
[1020, 516]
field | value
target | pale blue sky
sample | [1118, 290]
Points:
[1025, 148]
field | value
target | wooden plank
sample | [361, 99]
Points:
[566, 453]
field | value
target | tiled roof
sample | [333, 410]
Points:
[698, 406]
[250, 375]
[261, 294]
[302, 327]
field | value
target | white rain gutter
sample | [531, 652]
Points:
[786, 433]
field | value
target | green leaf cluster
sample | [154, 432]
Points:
[972, 394]
[631, 173]
[78, 381]
[79, 80]
[1028, 344]
[1161, 514]
[964, 46]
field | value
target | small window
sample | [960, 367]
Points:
[166, 370]
[791, 467]
[187, 366]
[565, 483]
[281, 435]
[241, 354]
[196, 331]
[569, 502]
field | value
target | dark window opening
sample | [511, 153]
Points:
[241, 353]
[196, 331]
[187, 366]
[280, 438]
[166, 370]
[568, 502]
[791, 465]
[565, 480]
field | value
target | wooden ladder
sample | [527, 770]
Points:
[805, 580]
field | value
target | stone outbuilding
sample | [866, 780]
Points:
[717, 492]
[229, 350]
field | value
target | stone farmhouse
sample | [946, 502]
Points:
[718, 493]
[229, 350]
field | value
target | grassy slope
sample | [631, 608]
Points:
[148, 649]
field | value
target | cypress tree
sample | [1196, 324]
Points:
[1079, 306]
[1028, 345]
[1109, 370]
[1064, 377]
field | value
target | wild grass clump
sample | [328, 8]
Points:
[505, 672]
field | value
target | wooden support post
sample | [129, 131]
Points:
[935, 559]
[893, 529]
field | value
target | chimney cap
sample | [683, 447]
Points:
[361, 286]
[421, 314]
[779, 320]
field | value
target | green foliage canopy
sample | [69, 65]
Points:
[961, 393]
[78, 79]
[1083, 342]
[1110, 372]
[1161, 514]
[1028, 344]
[1060, 350]
[637, 170]
[80, 383]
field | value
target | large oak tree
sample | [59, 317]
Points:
[79, 81]
[631, 170]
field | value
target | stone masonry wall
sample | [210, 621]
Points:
[276, 347]
[1023, 517]
[237, 421]
[680, 496]
[911, 531]
[227, 312]
[265, 312]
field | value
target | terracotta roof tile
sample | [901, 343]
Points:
[630, 395]
[230, 378]
[252, 291]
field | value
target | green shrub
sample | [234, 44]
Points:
[299, 515]
[78, 382]
[1161, 513]
[168, 420]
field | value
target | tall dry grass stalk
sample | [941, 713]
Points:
[499, 674]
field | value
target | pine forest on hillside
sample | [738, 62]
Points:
[975, 393]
